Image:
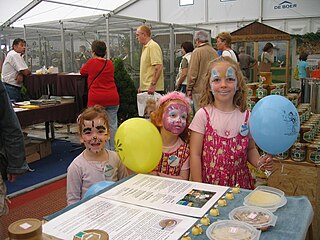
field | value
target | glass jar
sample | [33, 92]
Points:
[298, 152]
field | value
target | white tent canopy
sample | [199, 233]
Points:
[45, 10]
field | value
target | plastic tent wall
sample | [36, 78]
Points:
[57, 42]
[294, 17]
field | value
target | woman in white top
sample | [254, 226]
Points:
[266, 58]
[181, 80]
[224, 44]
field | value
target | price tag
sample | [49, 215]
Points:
[252, 215]
[233, 230]
[25, 225]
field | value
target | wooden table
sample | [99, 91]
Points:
[64, 113]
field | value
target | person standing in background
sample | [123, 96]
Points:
[181, 80]
[303, 68]
[2, 57]
[199, 61]
[83, 56]
[12, 152]
[14, 69]
[246, 62]
[266, 58]
[102, 89]
[151, 63]
[224, 44]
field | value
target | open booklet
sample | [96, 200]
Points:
[142, 207]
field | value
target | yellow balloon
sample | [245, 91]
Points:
[139, 145]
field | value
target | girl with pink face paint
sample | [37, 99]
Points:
[95, 163]
[172, 118]
[220, 143]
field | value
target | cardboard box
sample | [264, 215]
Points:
[37, 149]
[31, 148]
[33, 157]
[45, 148]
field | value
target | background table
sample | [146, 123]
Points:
[57, 85]
[63, 113]
[294, 219]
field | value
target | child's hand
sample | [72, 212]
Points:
[265, 163]
[154, 173]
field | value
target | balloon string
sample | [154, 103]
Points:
[266, 172]
[282, 168]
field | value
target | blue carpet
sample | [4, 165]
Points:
[54, 165]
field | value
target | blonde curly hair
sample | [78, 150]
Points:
[240, 97]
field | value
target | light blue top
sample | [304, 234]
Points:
[302, 67]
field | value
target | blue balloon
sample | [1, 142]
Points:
[95, 188]
[274, 124]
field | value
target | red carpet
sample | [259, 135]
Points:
[37, 203]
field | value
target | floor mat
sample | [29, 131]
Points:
[37, 203]
[46, 169]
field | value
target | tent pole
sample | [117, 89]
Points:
[63, 44]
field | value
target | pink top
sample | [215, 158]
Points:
[224, 155]
[227, 124]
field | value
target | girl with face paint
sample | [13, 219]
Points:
[220, 143]
[172, 118]
[95, 163]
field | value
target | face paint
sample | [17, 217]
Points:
[175, 118]
[231, 74]
[94, 134]
[217, 77]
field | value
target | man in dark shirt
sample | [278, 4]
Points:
[246, 62]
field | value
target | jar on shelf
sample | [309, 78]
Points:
[306, 133]
[313, 153]
[298, 152]
[261, 92]
[283, 155]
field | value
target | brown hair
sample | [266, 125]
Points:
[240, 97]
[91, 113]
[145, 29]
[267, 47]
[157, 117]
[99, 48]
[225, 37]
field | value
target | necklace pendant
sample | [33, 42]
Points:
[227, 133]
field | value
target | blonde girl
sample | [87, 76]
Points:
[220, 143]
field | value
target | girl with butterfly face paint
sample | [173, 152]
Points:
[95, 163]
[220, 143]
[172, 118]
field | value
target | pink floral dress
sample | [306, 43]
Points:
[171, 163]
[224, 160]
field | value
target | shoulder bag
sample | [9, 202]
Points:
[85, 95]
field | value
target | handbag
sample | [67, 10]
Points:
[85, 95]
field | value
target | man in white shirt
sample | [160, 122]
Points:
[14, 68]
